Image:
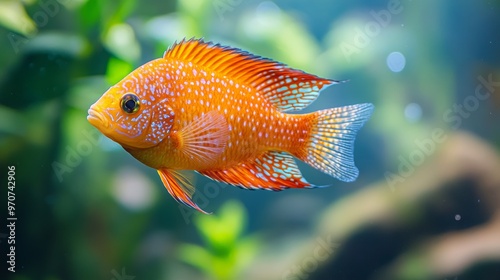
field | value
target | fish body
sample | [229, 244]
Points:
[222, 112]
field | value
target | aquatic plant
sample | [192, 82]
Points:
[227, 250]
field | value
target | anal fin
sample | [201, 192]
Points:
[179, 187]
[273, 170]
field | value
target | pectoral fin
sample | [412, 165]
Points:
[179, 187]
[204, 138]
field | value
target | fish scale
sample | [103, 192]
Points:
[222, 112]
[212, 93]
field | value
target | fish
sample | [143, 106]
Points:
[225, 113]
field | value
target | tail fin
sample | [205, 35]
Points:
[331, 144]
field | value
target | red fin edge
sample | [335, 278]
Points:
[273, 170]
[179, 188]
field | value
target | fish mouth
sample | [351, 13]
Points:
[97, 119]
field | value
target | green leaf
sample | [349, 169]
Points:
[121, 41]
[233, 217]
[192, 12]
[196, 256]
[90, 14]
[280, 36]
[228, 252]
[222, 231]
[117, 69]
[194, 8]
[14, 17]
[12, 122]
[119, 12]
[246, 251]
[69, 44]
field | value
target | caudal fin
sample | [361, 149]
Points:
[330, 148]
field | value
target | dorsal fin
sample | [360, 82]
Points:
[285, 87]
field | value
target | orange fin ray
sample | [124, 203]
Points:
[331, 144]
[179, 187]
[205, 137]
[273, 170]
[286, 88]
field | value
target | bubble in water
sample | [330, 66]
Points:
[132, 189]
[457, 217]
[413, 112]
[267, 7]
[396, 61]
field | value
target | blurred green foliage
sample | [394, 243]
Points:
[226, 251]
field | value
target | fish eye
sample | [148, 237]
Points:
[130, 103]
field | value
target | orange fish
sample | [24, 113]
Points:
[221, 111]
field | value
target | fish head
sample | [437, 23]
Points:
[132, 114]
